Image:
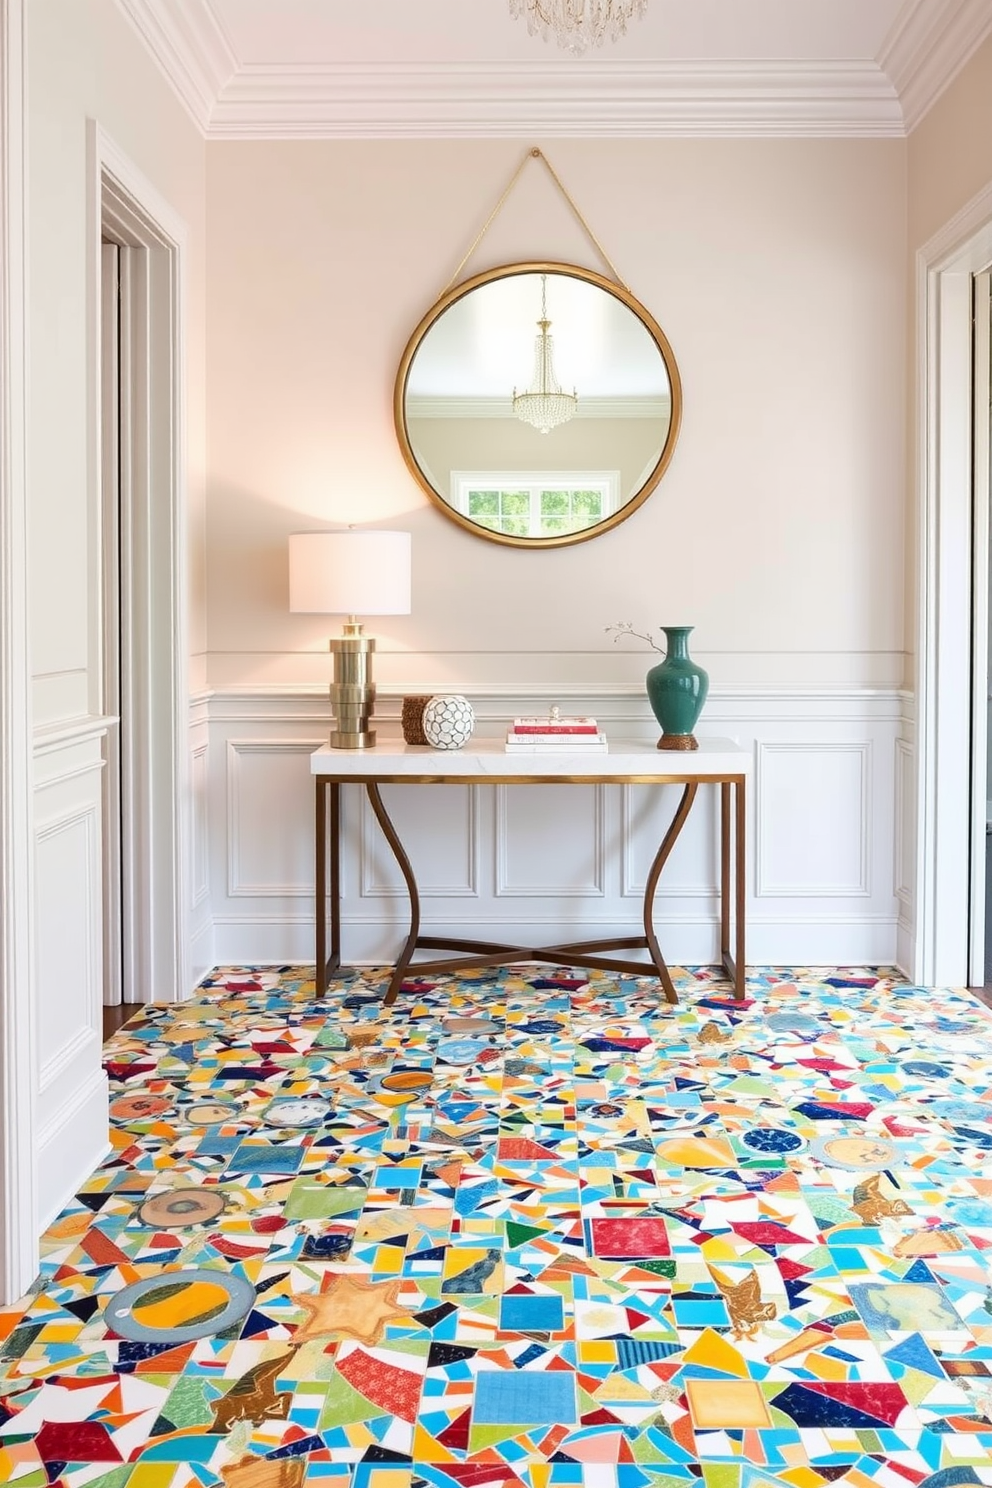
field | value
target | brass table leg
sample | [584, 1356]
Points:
[650, 888]
[389, 832]
[327, 860]
[732, 819]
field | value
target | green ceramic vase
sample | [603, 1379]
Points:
[677, 690]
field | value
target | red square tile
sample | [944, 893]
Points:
[640, 1239]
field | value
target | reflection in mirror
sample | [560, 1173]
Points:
[538, 404]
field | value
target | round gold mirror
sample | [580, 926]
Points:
[538, 404]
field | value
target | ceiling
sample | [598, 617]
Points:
[364, 69]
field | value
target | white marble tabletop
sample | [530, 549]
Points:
[486, 759]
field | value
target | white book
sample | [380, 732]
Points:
[557, 744]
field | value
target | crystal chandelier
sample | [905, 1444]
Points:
[544, 404]
[577, 25]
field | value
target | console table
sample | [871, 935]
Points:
[717, 762]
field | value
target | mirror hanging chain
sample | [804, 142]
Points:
[536, 154]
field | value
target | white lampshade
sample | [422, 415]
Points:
[349, 573]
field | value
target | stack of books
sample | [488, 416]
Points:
[564, 735]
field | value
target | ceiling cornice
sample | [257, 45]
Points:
[191, 49]
[476, 100]
[927, 48]
[930, 43]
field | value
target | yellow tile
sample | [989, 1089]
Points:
[596, 1352]
[152, 1475]
[730, 1404]
[714, 1352]
[697, 1152]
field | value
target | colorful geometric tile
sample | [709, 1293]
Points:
[529, 1231]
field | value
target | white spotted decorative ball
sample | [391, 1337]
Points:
[448, 721]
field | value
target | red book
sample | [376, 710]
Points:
[554, 726]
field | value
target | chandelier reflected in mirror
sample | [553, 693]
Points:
[577, 25]
[545, 404]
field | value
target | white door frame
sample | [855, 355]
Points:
[945, 269]
[980, 627]
[126, 208]
[18, 1194]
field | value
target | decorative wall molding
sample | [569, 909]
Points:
[807, 798]
[632, 883]
[82, 871]
[18, 1171]
[930, 43]
[374, 851]
[846, 914]
[903, 856]
[560, 807]
[241, 883]
[71, 1141]
[228, 99]
[558, 100]
[191, 49]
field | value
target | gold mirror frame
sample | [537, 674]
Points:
[504, 271]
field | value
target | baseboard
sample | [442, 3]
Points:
[905, 948]
[804, 941]
[71, 1145]
[202, 953]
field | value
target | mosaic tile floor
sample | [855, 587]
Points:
[524, 1230]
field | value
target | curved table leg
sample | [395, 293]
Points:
[661, 858]
[396, 846]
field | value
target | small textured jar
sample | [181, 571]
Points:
[412, 718]
[448, 721]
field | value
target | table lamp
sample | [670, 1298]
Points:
[350, 573]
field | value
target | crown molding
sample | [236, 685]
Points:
[228, 100]
[190, 48]
[928, 46]
[501, 100]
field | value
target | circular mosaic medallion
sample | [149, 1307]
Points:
[181, 1207]
[210, 1113]
[177, 1306]
[138, 1107]
[772, 1139]
[972, 1213]
[857, 1154]
[800, 1023]
[460, 1051]
[469, 1025]
[399, 1086]
[925, 1068]
[300, 1110]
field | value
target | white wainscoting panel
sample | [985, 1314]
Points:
[551, 842]
[270, 819]
[692, 870]
[813, 830]
[904, 837]
[71, 1090]
[557, 863]
[440, 830]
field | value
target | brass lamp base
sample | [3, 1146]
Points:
[352, 692]
[678, 741]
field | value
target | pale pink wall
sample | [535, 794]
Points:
[776, 268]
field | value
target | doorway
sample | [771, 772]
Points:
[949, 716]
[138, 647]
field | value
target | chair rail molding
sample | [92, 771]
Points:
[18, 1189]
